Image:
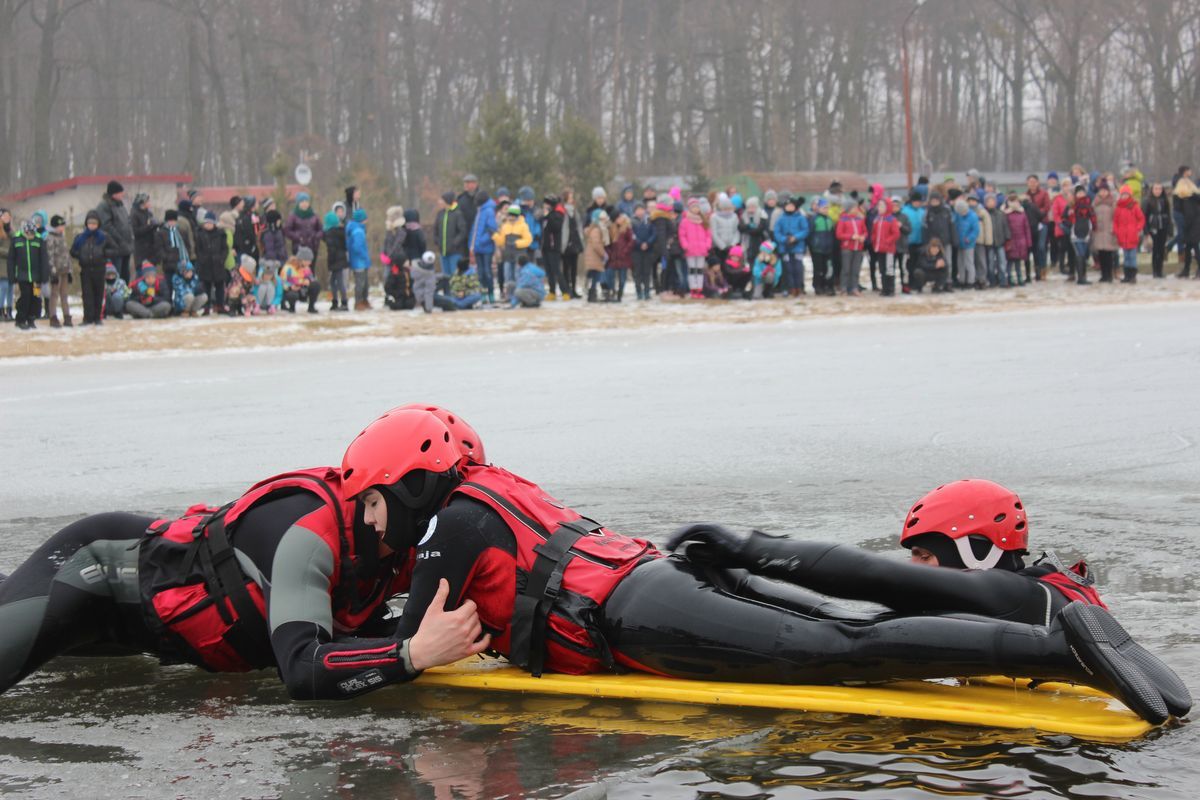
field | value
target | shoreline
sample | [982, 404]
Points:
[178, 336]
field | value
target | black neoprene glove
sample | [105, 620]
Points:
[751, 550]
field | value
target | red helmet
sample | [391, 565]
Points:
[462, 435]
[969, 507]
[393, 446]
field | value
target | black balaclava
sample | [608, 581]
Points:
[946, 551]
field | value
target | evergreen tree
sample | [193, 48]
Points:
[699, 182]
[583, 159]
[503, 152]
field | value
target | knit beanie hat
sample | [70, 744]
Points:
[304, 254]
[114, 187]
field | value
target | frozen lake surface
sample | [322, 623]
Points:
[824, 428]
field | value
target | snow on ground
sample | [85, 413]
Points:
[135, 337]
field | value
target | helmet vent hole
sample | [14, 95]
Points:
[468, 444]
[450, 419]
[917, 508]
[425, 445]
[999, 518]
[446, 436]
[912, 522]
[1020, 525]
[1017, 505]
[347, 473]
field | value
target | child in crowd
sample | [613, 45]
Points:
[242, 297]
[885, 239]
[1082, 222]
[1156, 210]
[116, 293]
[464, 292]
[147, 299]
[1128, 222]
[983, 244]
[273, 243]
[997, 258]
[6, 293]
[414, 236]
[714, 284]
[791, 236]
[645, 238]
[398, 286]
[738, 273]
[620, 258]
[822, 240]
[60, 271]
[211, 250]
[852, 235]
[299, 282]
[424, 280]
[512, 239]
[336, 261]
[188, 296]
[933, 267]
[595, 251]
[766, 271]
[530, 289]
[359, 257]
[966, 228]
[696, 240]
[270, 289]
[1104, 239]
[1020, 240]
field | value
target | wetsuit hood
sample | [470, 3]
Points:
[949, 555]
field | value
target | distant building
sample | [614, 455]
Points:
[74, 197]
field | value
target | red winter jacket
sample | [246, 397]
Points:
[850, 226]
[1021, 239]
[1128, 222]
[884, 234]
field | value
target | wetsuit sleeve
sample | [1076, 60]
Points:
[470, 546]
[314, 663]
[849, 572]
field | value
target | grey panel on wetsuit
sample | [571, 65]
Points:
[301, 573]
[107, 567]
[21, 620]
[251, 570]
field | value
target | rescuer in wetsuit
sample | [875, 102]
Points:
[560, 592]
[292, 575]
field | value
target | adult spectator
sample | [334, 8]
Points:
[1187, 204]
[600, 201]
[1040, 199]
[143, 224]
[114, 221]
[450, 234]
[466, 200]
[245, 237]
[303, 227]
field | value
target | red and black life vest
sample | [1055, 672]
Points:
[1075, 582]
[203, 607]
[567, 565]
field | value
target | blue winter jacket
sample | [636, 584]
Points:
[643, 233]
[181, 286]
[916, 220]
[531, 276]
[356, 246]
[967, 226]
[795, 225]
[535, 227]
[483, 228]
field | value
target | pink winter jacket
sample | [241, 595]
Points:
[1020, 239]
[694, 238]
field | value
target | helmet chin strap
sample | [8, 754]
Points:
[968, 555]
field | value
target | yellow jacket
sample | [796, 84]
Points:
[512, 226]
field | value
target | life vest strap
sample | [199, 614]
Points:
[1086, 579]
[532, 608]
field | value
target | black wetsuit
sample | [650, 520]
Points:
[81, 588]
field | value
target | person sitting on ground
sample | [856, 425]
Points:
[188, 296]
[738, 274]
[242, 296]
[424, 280]
[530, 288]
[464, 291]
[398, 286]
[116, 293]
[766, 271]
[270, 289]
[714, 285]
[298, 281]
[147, 297]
